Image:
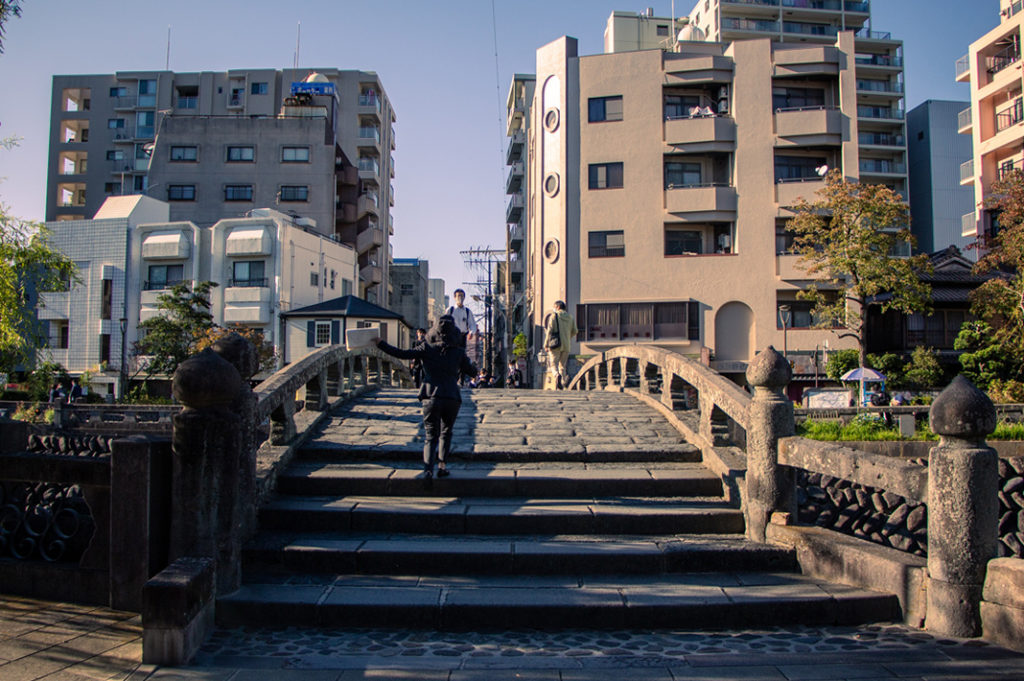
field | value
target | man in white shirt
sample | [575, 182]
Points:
[463, 316]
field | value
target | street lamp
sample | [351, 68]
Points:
[121, 377]
[785, 314]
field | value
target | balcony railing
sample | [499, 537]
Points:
[879, 60]
[1007, 167]
[763, 25]
[1000, 60]
[694, 185]
[879, 112]
[368, 133]
[857, 6]
[808, 29]
[766, 3]
[967, 170]
[247, 283]
[880, 86]
[814, 4]
[963, 65]
[188, 101]
[369, 165]
[964, 119]
[882, 166]
[873, 35]
[1011, 116]
[881, 139]
[160, 285]
[369, 99]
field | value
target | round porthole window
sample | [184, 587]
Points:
[551, 250]
[551, 120]
[551, 184]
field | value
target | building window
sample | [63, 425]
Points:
[106, 298]
[105, 347]
[605, 175]
[604, 109]
[140, 183]
[682, 106]
[784, 238]
[798, 316]
[294, 193]
[241, 154]
[118, 92]
[682, 241]
[181, 192]
[188, 97]
[314, 279]
[682, 175]
[258, 88]
[608, 244]
[798, 167]
[295, 154]
[248, 273]
[185, 154]
[323, 333]
[115, 155]
[115, 123]
[797, 98]
[408, 289]
[662, 29]
[639, 321]
[59, 334]
[144, 124]
[163, 276]
[238, 192]
[112, 188]
[147, 92]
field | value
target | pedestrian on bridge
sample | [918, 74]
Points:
[444, 361]
[561, 329]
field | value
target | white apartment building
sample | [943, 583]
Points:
[992, 66]
[217, 144]
[660, 175]
[264, 264]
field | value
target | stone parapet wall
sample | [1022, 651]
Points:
[1002, 607]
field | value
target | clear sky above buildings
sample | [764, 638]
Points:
[435, 58]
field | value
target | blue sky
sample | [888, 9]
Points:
[437, 63]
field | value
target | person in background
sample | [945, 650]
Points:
[76, 392]
[462, 316]
[417, 365]
[444, 361]
[561, 330]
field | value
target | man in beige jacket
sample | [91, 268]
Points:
[561, 330]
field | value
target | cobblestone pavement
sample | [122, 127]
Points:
[507, 421]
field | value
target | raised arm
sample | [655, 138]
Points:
[412, 353]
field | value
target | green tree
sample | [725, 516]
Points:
[924, 370]
[982, 356]
[892, 366]
[839, 362]
[847, 238]
[1000, 300]
[171, 337]
[27, 263]
[520, 348]
[8, 9]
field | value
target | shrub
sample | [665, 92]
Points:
[841, 361]
[924, 370]
[1008, 390]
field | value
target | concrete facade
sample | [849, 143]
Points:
[650, 211]
[437, 301]
[992, 67]
[517, 262]
[410, 294]
[937, 198]
[104, 129]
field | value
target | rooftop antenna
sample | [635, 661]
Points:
[298, 37]
[167, 64]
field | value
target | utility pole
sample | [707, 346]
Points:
[481, 262]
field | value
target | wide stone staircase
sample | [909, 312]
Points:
[583, 510]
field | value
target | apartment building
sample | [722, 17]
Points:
[520, 96]
[935, 152]
[661, 176]
[264, 265]
[992, 67]
[409, 298]
[316, 143]
[437, 301]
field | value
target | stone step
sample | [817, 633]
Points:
[500, 480]
[384, 554]
[472, 515]
[483, 450]
[715, 600]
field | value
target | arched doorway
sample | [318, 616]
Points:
[734, 332]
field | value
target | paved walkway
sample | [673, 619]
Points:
[64, 642]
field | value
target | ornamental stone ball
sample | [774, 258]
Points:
[206, 380]
[769, 369]
[962, 411]
[240, 352]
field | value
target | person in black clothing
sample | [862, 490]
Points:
[444, 361]
[417, 365]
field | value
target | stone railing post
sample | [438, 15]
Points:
[242, 355]
[349, 375]
[666, 387]
[769, 487]
[282, 422]
[206, 445]
[963, 508]
[645, 382]
[705, 410]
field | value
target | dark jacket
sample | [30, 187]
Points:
[441, 368]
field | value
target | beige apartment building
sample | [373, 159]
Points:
[992, 66]
[520, 95]
[314, 143]
[660, 177]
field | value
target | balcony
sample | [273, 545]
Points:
[369, 168]
[247, 304]
[809, 29]
[368, 239]
[834, 5]
[964, 121]
[859, 6]
[866, 34]
[369, 135]
[879, 60]
[1010, 116]
[968, 225]
[516, 234]
[515, 147]
[371, 274]
[252, 282]
[788, 192]
[811, 122]
[750, 25]
[691, 70]
[369, 103]
[880, 139]
[514, 183]
[1006, 167]
[1000, 60]
[805, 60]
[161, 285]
[880, 113]
[756, 3]
[967, 172]
[711, 198]
[963, 69]
[368, 203]
[346, 211]
[882, 167]
[515, 208]
[703, 129]
[880, 87]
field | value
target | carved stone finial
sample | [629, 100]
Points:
[206, 380]
[240, 352]
[769, 369]
[962, 411]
